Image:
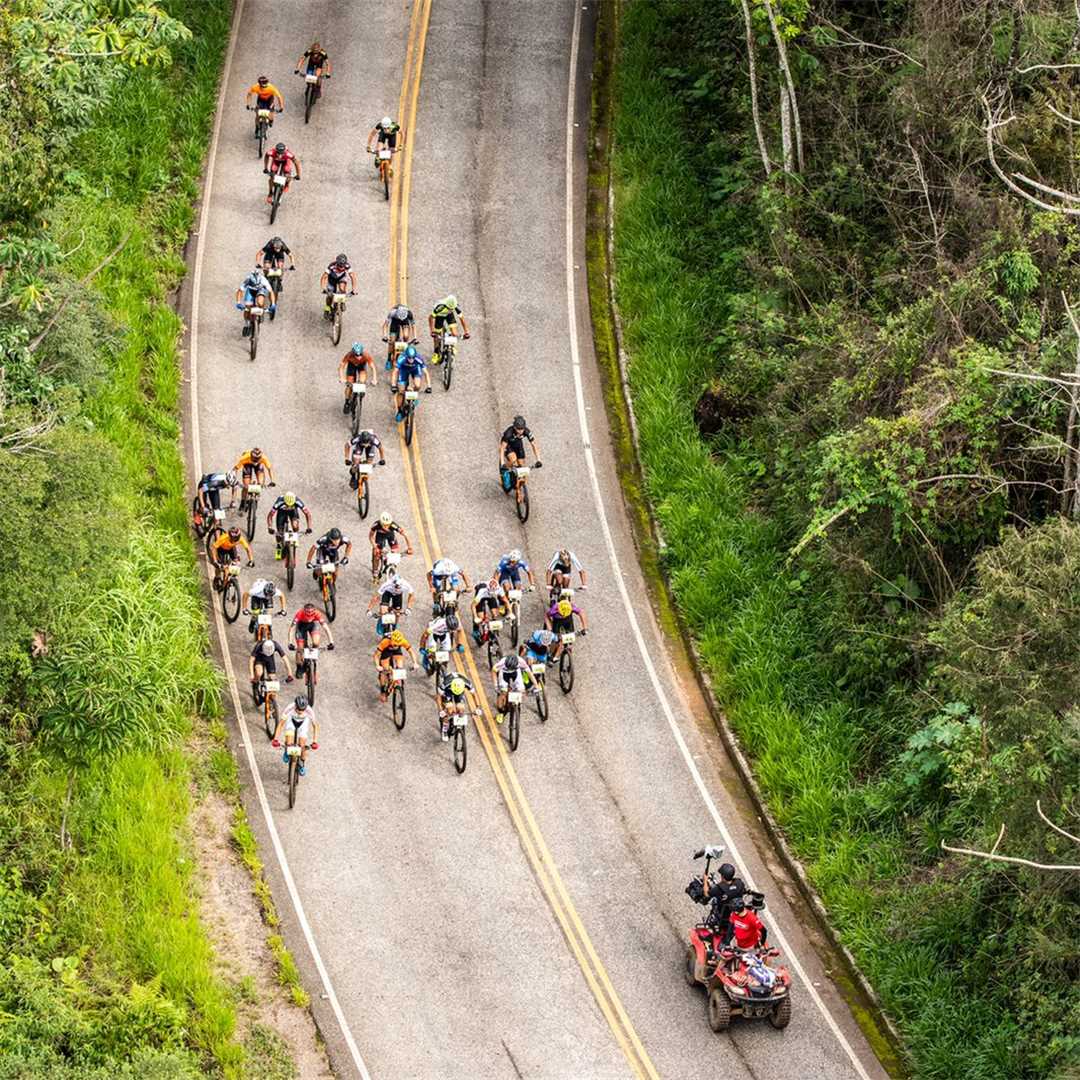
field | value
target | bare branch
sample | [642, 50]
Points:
[1063, 116]
[781, 50]
[1008, 859]
[926, 191]
[1047, 190]
[1046, 67]
[754, 109]
[866, 44]
[1056, 828]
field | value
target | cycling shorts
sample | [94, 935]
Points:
[389, 138]
[353, 371]
[443, 321]
[304, 630]
[559, 625]
[392, 600]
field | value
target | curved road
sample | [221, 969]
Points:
[526, 919]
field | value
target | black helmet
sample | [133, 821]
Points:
[341, 259]
[262, 80]
[453, 623]
[335, 533]
[727, 871]
[280, 148]
[277, 242]
[511, 663]
[364, 437]
[300, 701]
[268, 591]
[519, 423]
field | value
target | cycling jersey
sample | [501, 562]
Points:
[444, 687]
[265, 94]
[385, 535]
[258, 588]
[515, 441]
[300, 724]
[387, 649]
[442, 309]
[309, 617]
[247, 462]
[439, 635]
[369, 451]
[213, 482]
[511, 682]
[399, 318]
[255, 285]
[559, 565]
[487, 599]
[327, 551]
[315, 60]
[285, 161]
[269, 663]
[511, 572]
[387, 135]
[396, 586]
[225, 545]
[553, 612]
[410, 369]
[540, 642]
[336, 274]
[268, 252]
[280, 505]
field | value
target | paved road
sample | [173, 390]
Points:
[446, 956]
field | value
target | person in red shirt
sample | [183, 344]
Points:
[748, 931]
[305, 632]
[283, 159]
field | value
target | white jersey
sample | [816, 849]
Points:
[514, 683]
[258, 588]
[445, 568]
[396, 586]
[438, 634]
[299, 724]
[556, 561]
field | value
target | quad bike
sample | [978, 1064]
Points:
[738, 982]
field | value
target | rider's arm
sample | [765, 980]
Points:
[348, 550]
[370, 139]
[259, 257]
[324, 280]
[535, 449]
[352, 279]
[281, 602]
[307, 514]
[464, 326]
[431, 323]
[408, 542]
[408, 602]
[251, 667]
[247, 547]
[280, 101]
[581, 615]
[296, 162]
[584, 579]
[269, 469]
[311, 554]
[270, 518]
[427, 376]
[502, 451]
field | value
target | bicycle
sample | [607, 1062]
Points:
[395, 346]
[397, 697]
[409, 417]
[279, 178]
[264, 625]
[520, 488]
[445, 602]
[489, 636]
[254, 316]
[446, 346]
[311, 92]
[385, 622]
[327, 572]
[249, 504]
[538, 671]
[566, 662]
[458, 724]
[276, 276]
[355, 401]
[383, 157]
[513, 718]
[265, 692]
[262, 125]
[513, 602]
[215, 530]
[311, 668]
[363, 493]
[290, 541]
[337, 314]
[384, 562]
[230, 592]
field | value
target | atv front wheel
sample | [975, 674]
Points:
[719, 1010]
[780, 1017]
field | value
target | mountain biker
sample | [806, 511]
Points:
[560, 620]
[511, 567]
[355, 366]
[395, 592]
[399, 325]
[361, 450]
[489, 602]
[747, 930]
[314, 61]
[208, 492]
[385, 131]
[512, 450]
[255, 290]
[331, 547]
[445, 313]
[506, 676]
[442, 634]
[724, 894]
[537, 650]
[254, 465]
[560, 571]
[299, 723]
[384, 534]
[265, 94]
[333, 281]
[226, 549]
[409, 370]
[260, 597]
[390, 652]
[450, 697]
[263, 660]
[285, 515]
[273, 253]
[304, 632]
[280, 159]
[446, 573]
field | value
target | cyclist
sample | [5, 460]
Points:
[390, 652]
[560, 571]
[304, 632]
[537, 650]
[280, 159]
[273, 254]
[263, 661]
[208, 498]
[446, 574]
[384, 534]
[394, 593]
[511, 567]
[399, 325]
[407, 374]
[266, 94]
[450, 697]
[361, 450]
[385, 131]
[442, 634]
[560, 620]
[331, 547]
[445, 313]
[506, 676]
[298, 721]
[355, 366]
[512, 450]
[226, 549]
[314, 61]
[254, 465]
[255, 290]
[260, 597]
[284, 516]
[488, 603]
[333, 280]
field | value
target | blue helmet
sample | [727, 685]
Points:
[357, 348]
[410, 352]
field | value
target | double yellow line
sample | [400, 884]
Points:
[521, 814]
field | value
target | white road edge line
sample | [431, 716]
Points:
[658, 688]
[193, 352]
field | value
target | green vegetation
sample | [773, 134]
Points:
[868, 526]
[105, 968]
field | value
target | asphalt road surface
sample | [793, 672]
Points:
[527, 919]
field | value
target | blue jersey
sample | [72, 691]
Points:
[506, 570]
[411, 369]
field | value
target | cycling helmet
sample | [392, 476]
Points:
[457, 686]
[309, 606]
[357, 348]
[727, 871]
[341, 259]
[256, 453]
[386, 518]
[262, 80]
[301, 703]
[511, 664]
[289, 498]
[268, 591]
[280, 148]
[234, 533]
[364, 437]
[315, 47]
[386, 122]
[519, 423]
[266, 647]
[394, 581]
[397, 638]
[410, 352]
[564, 555]
[334, 534]
[493, 585]
[453, 623]
[565, 608]
[231, 478]
[451, 301]
[277, 243]
[401, 313]
[514, 556]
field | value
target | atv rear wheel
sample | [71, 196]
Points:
[691, 966]
[719, 1010]
[780, 1017]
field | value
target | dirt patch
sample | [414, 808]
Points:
[280, 1038]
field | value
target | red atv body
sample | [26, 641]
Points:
[738, 984]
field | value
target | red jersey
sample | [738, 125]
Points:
[285, 159]
[747, 928]
[303, 616]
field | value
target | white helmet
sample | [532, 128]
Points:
[386, 122]
[386, 518]
[514, 556]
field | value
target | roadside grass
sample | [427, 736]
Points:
[747, 613]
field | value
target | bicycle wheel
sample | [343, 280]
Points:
[566, 671]
[363, 498]
[260, 135]
[330, 599]
[409, 414]
[310, 680]
[309, 101]
[270, 715]
[523, 504]
[397, 704]
[275, 202]
[356, 407]
[494, 650]
[256, 696]
[542, 701]
[461, 751]
[252, 507]
[290, 564]
[335, 327]
[294, 779]
[253, 341]
[230, 600]
[384, 169]
[515, 622]
[447, 369]
[513, 726]
[211, 535]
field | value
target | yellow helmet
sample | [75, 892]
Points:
[397, 638]
[457, 687]
[565, 608]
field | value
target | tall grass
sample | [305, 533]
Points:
[746, 611]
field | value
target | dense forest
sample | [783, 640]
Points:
[846, 244]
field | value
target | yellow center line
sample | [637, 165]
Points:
[395, 191]
[536, 849]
